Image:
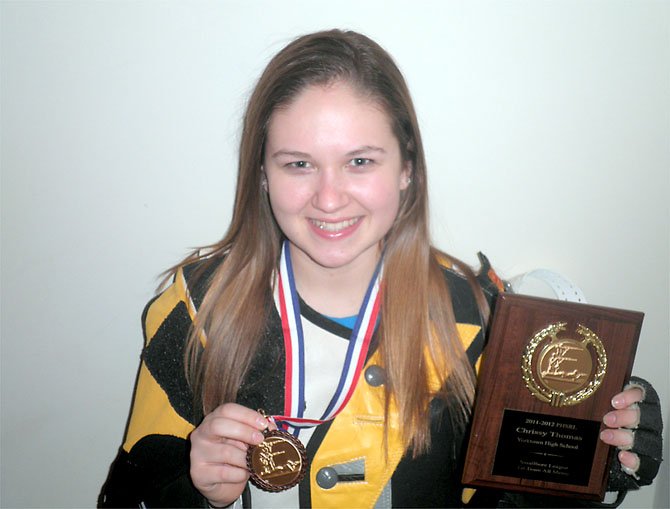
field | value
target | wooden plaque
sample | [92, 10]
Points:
[548, 374]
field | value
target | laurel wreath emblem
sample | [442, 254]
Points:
[562, 398]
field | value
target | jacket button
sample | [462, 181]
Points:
[375, 375]
[326, 478]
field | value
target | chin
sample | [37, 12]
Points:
[339, 261]
[330, 263]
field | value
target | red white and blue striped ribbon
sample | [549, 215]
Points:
[294, 344]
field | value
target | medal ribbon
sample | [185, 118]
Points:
[294, 344]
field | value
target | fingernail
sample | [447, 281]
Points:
[262, 422]
[617, 402]
[606, 435]
[610, 420]
[626, 457]
[257, 437]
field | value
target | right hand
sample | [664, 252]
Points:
[219, 451]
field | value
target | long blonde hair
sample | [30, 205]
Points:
[416, 315]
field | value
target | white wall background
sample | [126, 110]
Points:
[546, 126]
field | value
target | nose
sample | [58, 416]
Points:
[330, 194]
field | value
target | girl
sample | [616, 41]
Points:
[325, 305]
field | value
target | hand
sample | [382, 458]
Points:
[219, 451]
[621, 422]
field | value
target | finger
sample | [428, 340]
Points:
[227, 430]
[242, 446]
[621, 438]
[630, 462]
[213, 475]
[242, 414]
[232, 422]
[220, 432]
[627, 418]
[627, 398]
[219, 454]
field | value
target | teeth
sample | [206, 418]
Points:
[334, 227]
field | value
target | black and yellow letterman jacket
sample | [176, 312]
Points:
[152, 466]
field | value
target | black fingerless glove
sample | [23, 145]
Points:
[647, 443]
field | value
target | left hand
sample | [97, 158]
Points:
[620, 425]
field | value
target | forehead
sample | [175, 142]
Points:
[335, 110]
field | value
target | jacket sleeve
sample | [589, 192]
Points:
[151, 468]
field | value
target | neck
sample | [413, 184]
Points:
[336, 292]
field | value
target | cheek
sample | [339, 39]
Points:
[287, 197]
[381, 196]
[392, 205]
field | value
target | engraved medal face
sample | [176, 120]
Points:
[565, 371]
[564, 366]
[278, 463]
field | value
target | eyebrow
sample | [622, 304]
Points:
[365, 149]
[303, 155]
[290, 153]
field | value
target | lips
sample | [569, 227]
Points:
[334, 226]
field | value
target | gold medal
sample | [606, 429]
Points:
[278, 463]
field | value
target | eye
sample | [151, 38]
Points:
[299, 165]
[360, 161]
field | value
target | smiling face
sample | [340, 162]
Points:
[334, 172]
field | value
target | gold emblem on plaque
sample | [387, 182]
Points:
[563, 372]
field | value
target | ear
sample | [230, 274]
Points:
[406, 176]
[264, 180]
